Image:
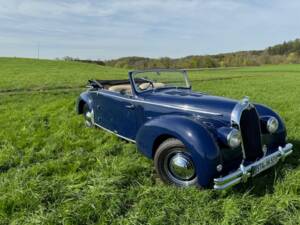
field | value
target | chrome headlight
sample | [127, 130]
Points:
[272, 125]
[234, 138]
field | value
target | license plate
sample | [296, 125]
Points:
[267, 163]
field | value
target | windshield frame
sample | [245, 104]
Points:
[135, 72]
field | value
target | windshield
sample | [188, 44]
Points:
[153, 80]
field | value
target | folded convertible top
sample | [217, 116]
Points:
[102, 83]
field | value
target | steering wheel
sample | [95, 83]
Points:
[150, 83]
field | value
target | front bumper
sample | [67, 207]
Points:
[244, 172]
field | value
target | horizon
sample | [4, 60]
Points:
[151, 29]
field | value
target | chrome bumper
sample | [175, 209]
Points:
[244, 172]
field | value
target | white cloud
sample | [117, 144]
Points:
[113, 28]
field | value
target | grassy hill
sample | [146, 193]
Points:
[53, 170]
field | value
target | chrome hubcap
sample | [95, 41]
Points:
[181, 166]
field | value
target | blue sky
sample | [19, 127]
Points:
[105, 29]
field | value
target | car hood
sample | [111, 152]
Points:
[193, 101]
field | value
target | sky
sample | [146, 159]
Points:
[107, 29]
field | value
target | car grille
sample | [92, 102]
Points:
[251, 134]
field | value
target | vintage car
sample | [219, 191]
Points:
[194, 138]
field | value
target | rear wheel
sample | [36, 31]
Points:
[174, 164]
[88, 115]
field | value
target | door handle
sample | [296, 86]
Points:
[131, 106]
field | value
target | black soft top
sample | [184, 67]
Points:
[102, 83]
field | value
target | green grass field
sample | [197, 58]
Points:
[53, 170]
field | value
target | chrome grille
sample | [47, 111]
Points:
[251, 133]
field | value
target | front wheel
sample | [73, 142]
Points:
[174, 164]
[88, 115]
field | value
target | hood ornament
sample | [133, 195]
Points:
[245, 100]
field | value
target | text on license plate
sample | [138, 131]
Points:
[267, 163]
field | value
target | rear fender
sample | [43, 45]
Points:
[196, 138]
[84, 98]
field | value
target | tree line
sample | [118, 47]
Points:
[285, 53]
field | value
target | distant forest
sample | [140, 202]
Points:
[286, 53]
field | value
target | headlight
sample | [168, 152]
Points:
[272, 125]
[234, 138]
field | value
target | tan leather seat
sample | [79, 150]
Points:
[126, 88]
[147, 85]
[122, 88]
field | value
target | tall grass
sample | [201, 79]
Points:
[53, 170]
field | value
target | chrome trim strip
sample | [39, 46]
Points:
[158, 104]
[127, 139]
[244, 172]
[238, 109]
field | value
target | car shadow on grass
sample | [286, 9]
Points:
[264, 183]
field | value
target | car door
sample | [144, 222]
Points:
[117, 113]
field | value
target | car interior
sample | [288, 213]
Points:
[123, 86]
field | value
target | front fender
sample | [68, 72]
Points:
[197, 139]
[278, 138]
[266, 111]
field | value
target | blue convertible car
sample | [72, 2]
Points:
[194, 138]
